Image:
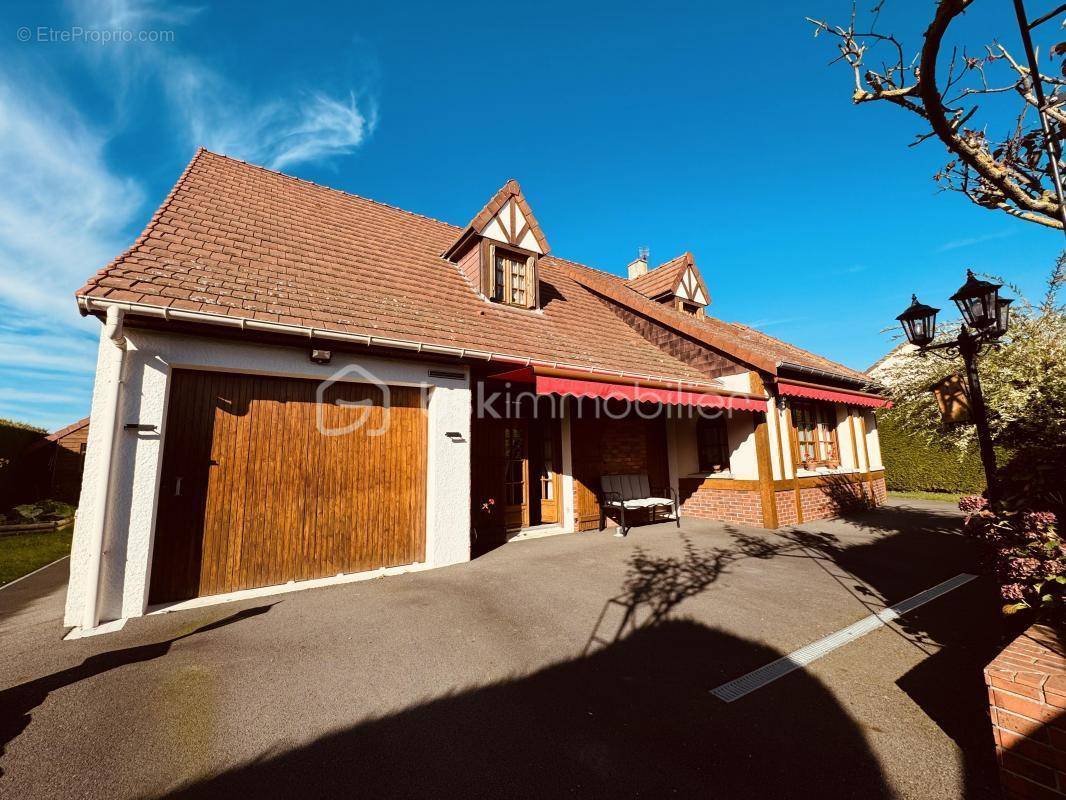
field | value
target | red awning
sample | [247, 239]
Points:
[643, 394]
[833, 395]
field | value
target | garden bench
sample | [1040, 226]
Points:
[632, 492]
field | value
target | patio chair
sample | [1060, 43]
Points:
[632, 492]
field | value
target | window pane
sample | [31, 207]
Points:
[518, 281]
[712, 444]
[498, 279]
[816, 432]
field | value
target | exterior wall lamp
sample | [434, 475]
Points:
[986, 317]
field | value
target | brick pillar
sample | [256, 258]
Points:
[1027, 699]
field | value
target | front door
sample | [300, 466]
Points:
[516, 474]
[548, 471]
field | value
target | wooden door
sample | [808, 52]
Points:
[586, 447]
[547, 462]
[516, 474]
[253, 493]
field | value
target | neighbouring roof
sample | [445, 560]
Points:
[71, 428]
[52, 438]
[241, 241]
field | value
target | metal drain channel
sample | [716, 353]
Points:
[759, 678]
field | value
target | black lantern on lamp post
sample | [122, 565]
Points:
[978, 301]
[985, 319]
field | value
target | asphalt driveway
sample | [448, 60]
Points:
[567, 666]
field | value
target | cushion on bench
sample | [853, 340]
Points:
[643, 502]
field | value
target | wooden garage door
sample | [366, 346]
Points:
[253, 494]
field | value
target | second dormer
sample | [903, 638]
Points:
[499, 250]
[677, 283]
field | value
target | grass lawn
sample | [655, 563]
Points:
[22, 553]
[946, 497]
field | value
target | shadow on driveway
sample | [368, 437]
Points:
[634, 719]
[17, 703]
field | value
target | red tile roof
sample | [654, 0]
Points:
[241, 241]
[661, 280]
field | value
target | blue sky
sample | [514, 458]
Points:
[716, 128]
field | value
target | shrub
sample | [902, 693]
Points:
[45, 510]
[1024, 552]
[29, 512]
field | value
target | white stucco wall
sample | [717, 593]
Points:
[743, 463]
[150, 358]
[845, 436]
[873, 441]
[740, 382]
[567, 465]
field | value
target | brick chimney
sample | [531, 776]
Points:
[639, 266]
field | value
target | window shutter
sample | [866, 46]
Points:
[532, 284]
[491, 272]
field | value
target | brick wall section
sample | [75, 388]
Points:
[727, 505]
[821, 503]
[786, 507]
[1027, 704]
[623, 446]
[880, 491]
[745, 507]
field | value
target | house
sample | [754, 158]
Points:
[295, 383]
[52, 466]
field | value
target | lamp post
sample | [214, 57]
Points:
[986, 317]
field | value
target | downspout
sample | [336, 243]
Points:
[114, 362]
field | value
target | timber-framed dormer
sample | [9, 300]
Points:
[499, 250]
[676, 283]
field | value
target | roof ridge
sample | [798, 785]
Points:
[788, 345]
[664, 265]
[332, 189]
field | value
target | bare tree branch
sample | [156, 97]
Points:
[1012, 174]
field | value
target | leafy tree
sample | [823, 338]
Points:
[1024, 381]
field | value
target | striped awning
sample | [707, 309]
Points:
[846, 396]
[633, 392]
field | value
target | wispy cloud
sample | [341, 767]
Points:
[297, 126]
[63, 214]
[769, 323]
[65, 211]
[956, 244]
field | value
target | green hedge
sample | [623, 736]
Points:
[913, 465]
[14, 438]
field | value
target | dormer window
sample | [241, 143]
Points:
[512, 278]
[676, 283]
[499, 250]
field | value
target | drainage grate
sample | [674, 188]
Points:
[759, 678]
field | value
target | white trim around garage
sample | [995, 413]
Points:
[132, 499]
